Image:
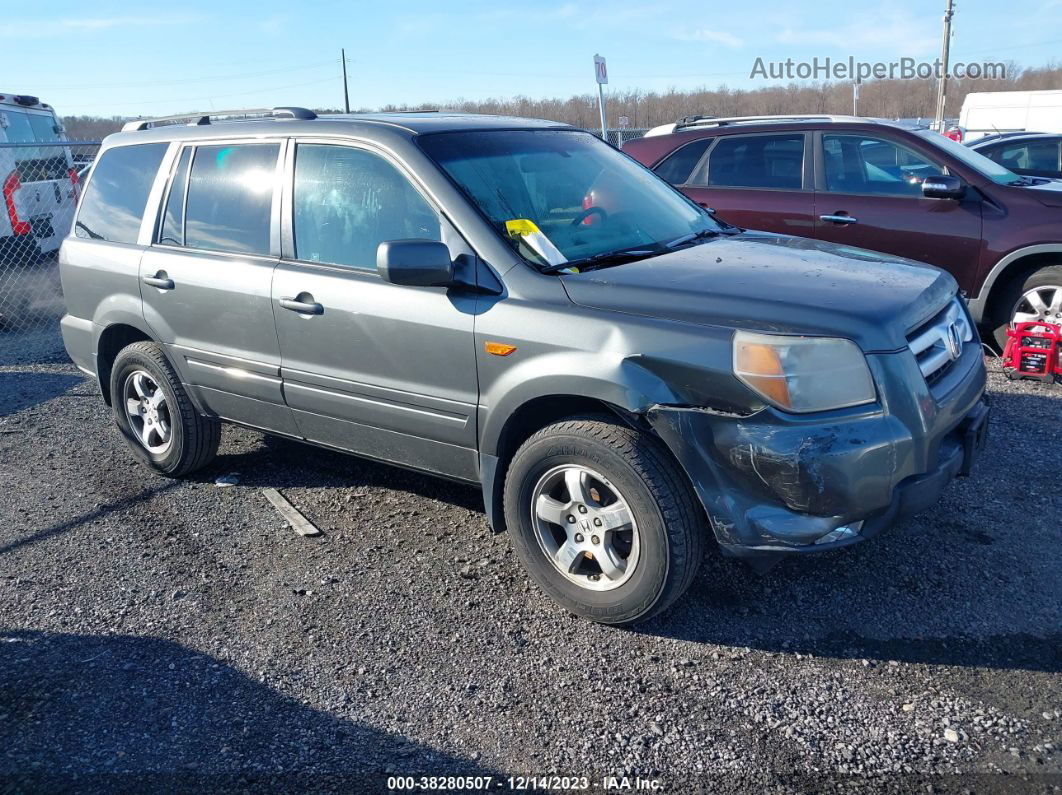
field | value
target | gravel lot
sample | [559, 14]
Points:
[180, 629]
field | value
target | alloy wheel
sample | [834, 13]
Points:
[1039, 304]
[148, 412]
[585, 528]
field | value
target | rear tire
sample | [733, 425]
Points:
[1018, 299]
[629, 534]
[155, 414]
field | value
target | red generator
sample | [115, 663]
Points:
[1034, 351]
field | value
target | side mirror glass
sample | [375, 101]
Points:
[415, 263]
[943, 187]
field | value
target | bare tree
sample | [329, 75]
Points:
[883, 98]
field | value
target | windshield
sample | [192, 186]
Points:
[564, 196]
[975, 160]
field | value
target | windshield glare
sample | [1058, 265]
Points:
[583, 196]
[975, 160]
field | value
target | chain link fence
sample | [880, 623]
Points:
[618, 136]
[42, 183]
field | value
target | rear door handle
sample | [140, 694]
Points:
[160, 280]
[303, 304]
[839, 219]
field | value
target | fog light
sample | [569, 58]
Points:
[841, 533]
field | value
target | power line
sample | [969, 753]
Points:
[211, 97]
[182, 81]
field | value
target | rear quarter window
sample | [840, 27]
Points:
[114, 200]
[677, 167]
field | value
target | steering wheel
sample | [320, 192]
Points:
[587, 213]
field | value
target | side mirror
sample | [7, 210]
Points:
[943, 187]
[415, 263]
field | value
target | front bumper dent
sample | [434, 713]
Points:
[775, 484]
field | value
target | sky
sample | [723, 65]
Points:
[108, 58]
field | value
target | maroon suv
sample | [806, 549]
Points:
[880, 186]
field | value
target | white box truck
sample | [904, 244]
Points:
[992, 112]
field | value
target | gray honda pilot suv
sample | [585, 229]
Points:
[516, 304]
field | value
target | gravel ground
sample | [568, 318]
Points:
[177, 634]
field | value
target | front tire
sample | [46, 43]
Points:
[1036, 297]
[155, 414]
[603, 519]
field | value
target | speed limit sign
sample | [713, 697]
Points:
[600, 70]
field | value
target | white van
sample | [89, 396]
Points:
[40, 185]
[992, 112]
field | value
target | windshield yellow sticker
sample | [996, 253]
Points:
[528, 230]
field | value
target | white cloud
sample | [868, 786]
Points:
[883, 31]
[273, 24]
[723, 37]
[79, 25]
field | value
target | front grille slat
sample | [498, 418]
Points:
[933, 343]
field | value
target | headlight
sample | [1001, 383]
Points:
[803, 374]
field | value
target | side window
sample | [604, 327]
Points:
[861, 164]
[173, 220]
[991, 152]
[758, 161]
[677, 167]
[1030, 155]
[347, 201]
[230, 195]
[114, 201]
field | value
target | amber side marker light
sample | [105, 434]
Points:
[498, 348]
[761, 367]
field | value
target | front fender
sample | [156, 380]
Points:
[613, 378]
[979, 304]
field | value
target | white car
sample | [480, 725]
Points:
[40, 185]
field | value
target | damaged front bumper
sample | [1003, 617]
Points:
[775, 484]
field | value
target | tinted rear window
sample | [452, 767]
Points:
[230, 196]
[114, 201]
[758, 161]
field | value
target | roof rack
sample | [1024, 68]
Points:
[203, 117]
[687, 121]
[714, 121]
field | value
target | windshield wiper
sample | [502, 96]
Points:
[605, 258]
[704, 234]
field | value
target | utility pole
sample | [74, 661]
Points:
[942, 82]
[855, 99]
[346, 95]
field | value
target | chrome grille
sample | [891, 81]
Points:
[938, 344]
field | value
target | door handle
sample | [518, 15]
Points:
[160, 280]
[839, 219]
[303, 304]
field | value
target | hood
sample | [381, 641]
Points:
[775, 284]
[1049, 193]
